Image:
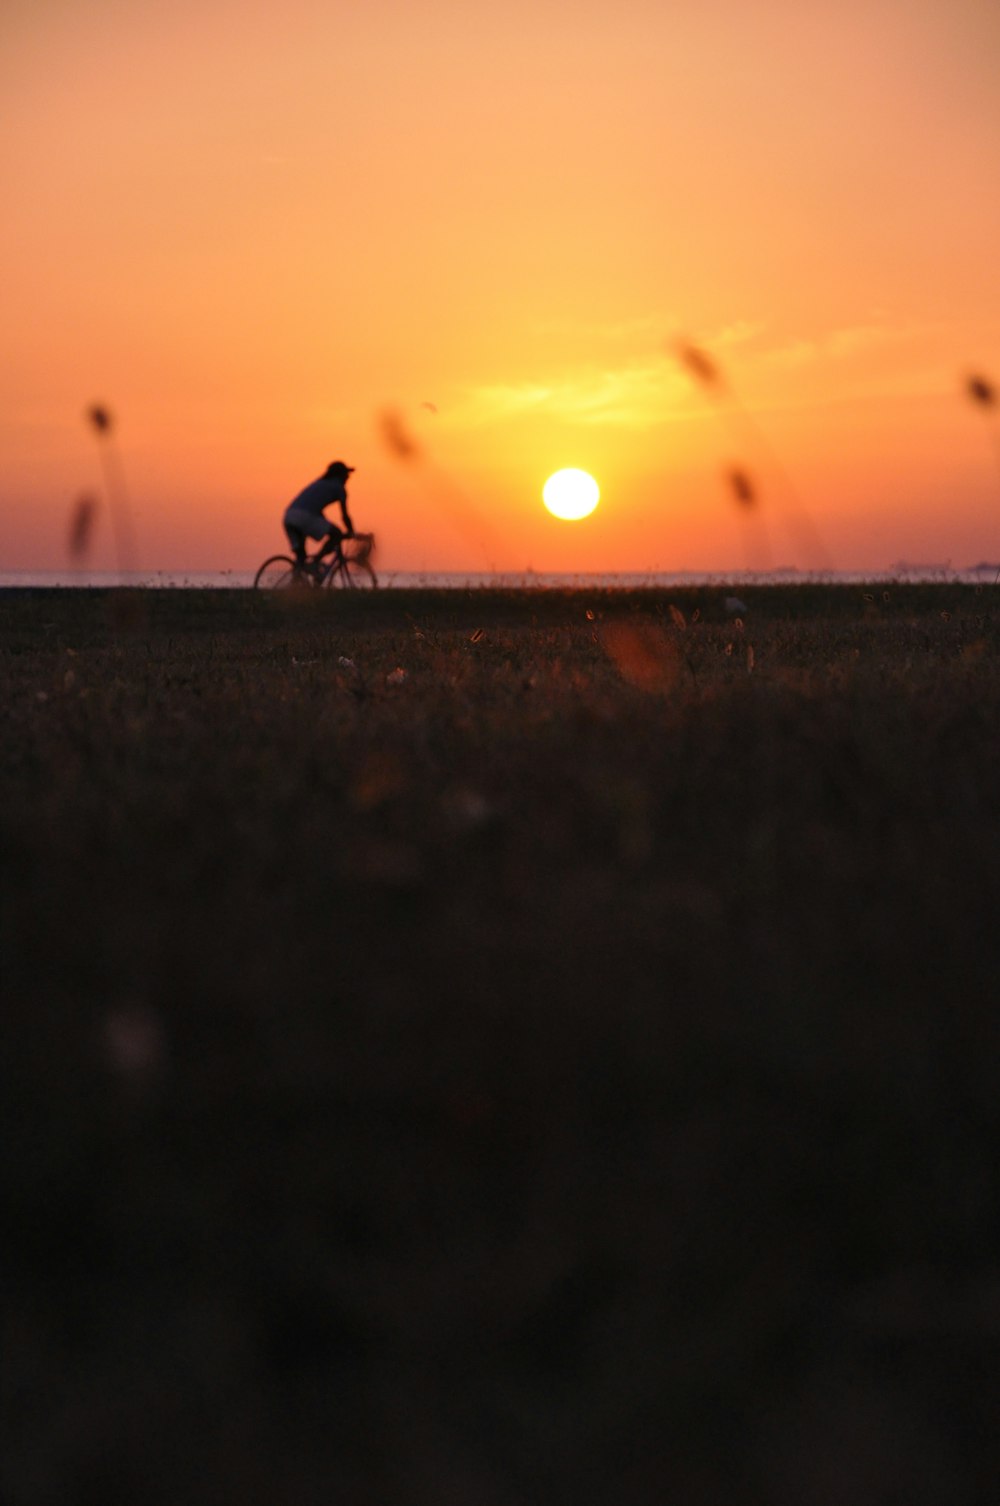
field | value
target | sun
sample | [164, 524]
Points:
[571, 494]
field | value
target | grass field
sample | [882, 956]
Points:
[480, 1048]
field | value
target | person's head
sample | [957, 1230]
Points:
[338, 469]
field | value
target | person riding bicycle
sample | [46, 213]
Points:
[304, 515]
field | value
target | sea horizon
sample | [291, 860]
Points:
[901, 571]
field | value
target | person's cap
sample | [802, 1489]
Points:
[338, 465]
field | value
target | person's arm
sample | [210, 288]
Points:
[347, 517]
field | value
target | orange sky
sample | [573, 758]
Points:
[250, 228]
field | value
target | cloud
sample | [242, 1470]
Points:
[635, 388]
[874, 357]
[635, 395]
[738, 333]
[640, 329]
[850, 340]
[827, 348]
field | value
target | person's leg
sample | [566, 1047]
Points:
[331, 544]
[297, 542]
[301, 526]
[301, 556]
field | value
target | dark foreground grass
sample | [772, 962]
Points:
[562, 1071]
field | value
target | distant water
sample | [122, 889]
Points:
[526, 580]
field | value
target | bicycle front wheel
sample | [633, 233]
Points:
[279, 573]
[358, 573]
[354, 567]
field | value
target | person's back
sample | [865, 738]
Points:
[319, 494]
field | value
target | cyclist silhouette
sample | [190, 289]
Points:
[304, 515]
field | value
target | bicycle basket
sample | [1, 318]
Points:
[358, 547]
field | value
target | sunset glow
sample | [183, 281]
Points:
[251, 232]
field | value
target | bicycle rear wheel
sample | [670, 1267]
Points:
[280, 573]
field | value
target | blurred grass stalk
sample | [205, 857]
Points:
[81, 527]
[756, 535]
[707, 374]
[439, 487]
[981, 391]
[115, 486]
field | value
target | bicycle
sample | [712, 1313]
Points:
[348, 567]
